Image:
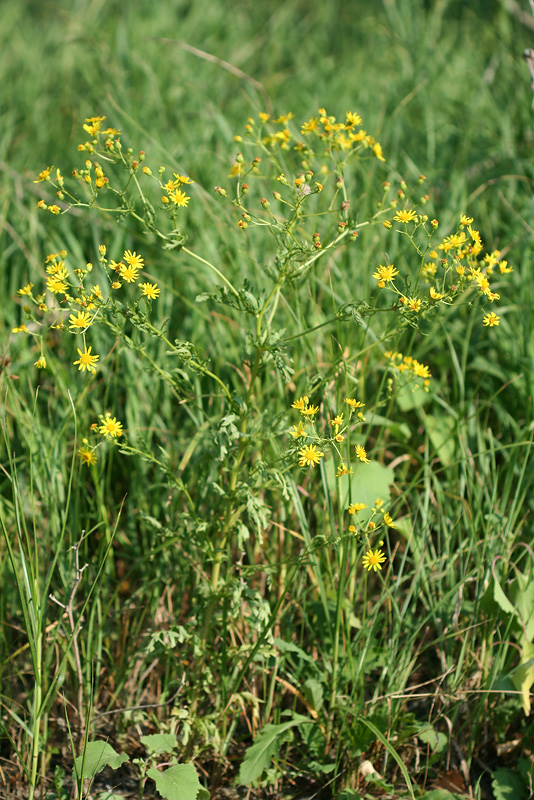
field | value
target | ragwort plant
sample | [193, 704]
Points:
[316, 478]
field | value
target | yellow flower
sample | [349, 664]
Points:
[86, 360]
[309, 411]
[129, 273]
[414, 304]
[56, 285]
[87, 455]
[354, 404]
[388, 519]
[182, 178]
[352, 119]
[434, 295]
[40, 363]
[337, 421]
[465, 220]
[26, 290]
[179, 198]
[355, 507]
[406, 215]
[491, 319]
[361, 453]
[504, 268]
[385, 274]
[373, 560]
[44, 175]
[83, 320]
[301, 403]
[310, 456]
[110, 427]
[149, 290]
[21, 329]
[343, 470]
[133, 260]
[377, 150]
[298, 431]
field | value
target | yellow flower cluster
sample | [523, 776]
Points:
[407, 364]
[310, 454]
[65, 300]
[174, 196]
[459, 268]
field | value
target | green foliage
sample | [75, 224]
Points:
[95, 757]
[176, 783]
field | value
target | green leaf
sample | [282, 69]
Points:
[501, 599]
[442, 794]
[313, 692]
[176, 783]
[523, 675]
[157, 743]
[266, 746]
[110, 796]
[437, 741]
[98, 755]
[440, 431]
[507, 785]
[410, 397]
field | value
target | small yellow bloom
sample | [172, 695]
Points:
[355, 507]
[434, 295]
[129, 273]
[361, 453]
[26, 290]
[149, 290]
[87, 455]
[310, 455]
[491, 319]
[21, 329]
[343, 470]
[44, 175]
[337, 421]
[385, 274]
[40, 363]
[301, 403]
[110, 427]
[309, 411]
[406, 215]
[179, 198]
[116, 285]
[133, 260]
[56, 285]
[354, 404]
[388, 519]
[86, 360]
[298, 431]
[80, 322]
[373, 560]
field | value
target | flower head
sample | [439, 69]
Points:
[354, 508]
[133, 260]
[80, 322]
[310, 455]
[373, 560]
[40, 363]
[406, 215]
[149, 290]
[298, 431]
[361, 453]
[86, 455]
[110, 427]
[86, 360]
[385, 274]
[491, 319]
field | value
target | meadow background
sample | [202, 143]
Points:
[433, 667]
